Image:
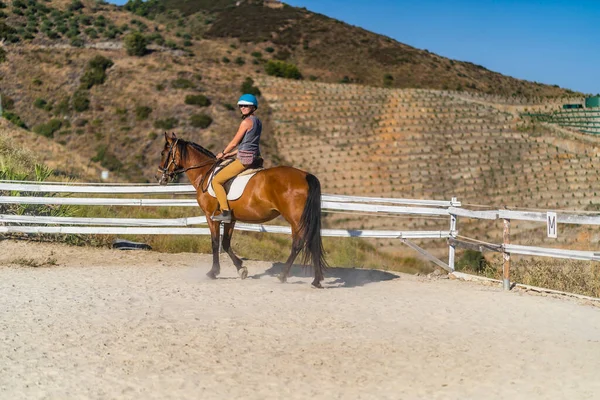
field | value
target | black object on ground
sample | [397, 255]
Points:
[122, 244]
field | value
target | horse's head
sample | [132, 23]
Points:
[170, 159]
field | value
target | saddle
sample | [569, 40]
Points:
[236, 185]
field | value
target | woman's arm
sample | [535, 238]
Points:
[245, 126]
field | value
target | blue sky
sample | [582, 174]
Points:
[552, 42]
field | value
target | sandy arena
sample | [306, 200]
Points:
[108, 324]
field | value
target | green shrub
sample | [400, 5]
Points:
[200, 121]
[92, 77]
[75, 5]
[388, 80]
[228, 106]
[6, 31]
[156, 38]
[107, 159]
[111, 33]
[168, 123]
[136, 43]
[248, 87]
[85, 20]
[76, 42]
[269, 49]
[95, 73]
[40, 103]
[240, 61]
[472, 260]
[48, 128]
[100, 62]
[142, 113]
[282, 69]
[197, 100]
[256, 54]
[226, 60]
[14, 119]
[62, 107]
[81, 101]
[2, 55]
[92, 33]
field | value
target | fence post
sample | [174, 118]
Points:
[506, 256]
[452, 247]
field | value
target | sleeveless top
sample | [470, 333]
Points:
[250, 141]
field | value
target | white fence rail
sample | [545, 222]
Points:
[184, 226]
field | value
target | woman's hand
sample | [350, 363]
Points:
[220, 156]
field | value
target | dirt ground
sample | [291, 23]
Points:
[108, 324]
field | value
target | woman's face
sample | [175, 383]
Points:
[246, 109]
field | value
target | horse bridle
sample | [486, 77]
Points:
[177, 169]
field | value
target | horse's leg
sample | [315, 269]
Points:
[227, 233]
[296, 247]
[214, 236]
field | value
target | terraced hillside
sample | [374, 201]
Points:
[428, 144]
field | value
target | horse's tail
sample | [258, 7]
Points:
[310, 229]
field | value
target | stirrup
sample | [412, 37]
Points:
[225, 217]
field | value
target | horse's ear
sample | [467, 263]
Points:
[173, 136]
[166, 137]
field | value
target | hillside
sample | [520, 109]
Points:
[68, 76]
[22, 149]
[427, 144]
[329, 50]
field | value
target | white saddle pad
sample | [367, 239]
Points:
[237, 186]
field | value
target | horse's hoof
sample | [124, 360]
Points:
[282, 278]
[243, 272]
[317, 285]
[211, 275]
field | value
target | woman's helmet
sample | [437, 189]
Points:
[248, 100]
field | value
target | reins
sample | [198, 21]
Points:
[178, 170]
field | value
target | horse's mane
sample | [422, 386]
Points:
[182, 146]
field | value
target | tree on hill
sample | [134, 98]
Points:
[282, 69]
[146, 9]
[136, 43]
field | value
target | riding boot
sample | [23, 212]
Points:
[225, 217]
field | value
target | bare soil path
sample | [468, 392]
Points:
[107, 324]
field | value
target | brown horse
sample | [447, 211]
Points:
[285, 191]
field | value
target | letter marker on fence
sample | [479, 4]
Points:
[551, 225]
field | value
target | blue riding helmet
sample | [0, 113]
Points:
[248, 100]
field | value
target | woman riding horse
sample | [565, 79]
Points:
[282, 190]
[248, 138]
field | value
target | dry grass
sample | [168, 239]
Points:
[572, 276]
[34, 263]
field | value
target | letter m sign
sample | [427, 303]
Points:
[551, 225]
